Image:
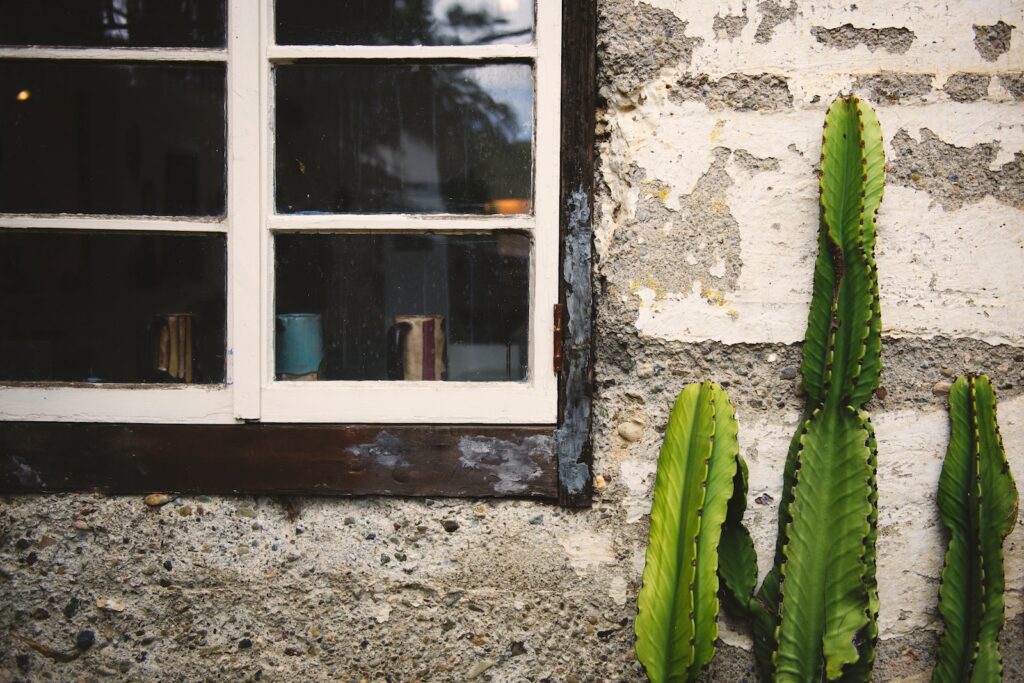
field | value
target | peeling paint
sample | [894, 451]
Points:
[571, 439]
[587, 551]
[730, 25]
[967, 87]
[846, 37]
[386, 449]
[635, 41]
[740, 92]
[773, 14]
[1013, 83]
[26, 475]
[642, 243]
[891, 87]
[954, 175]
[511, 464]
[993, 41]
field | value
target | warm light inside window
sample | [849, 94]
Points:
[23, 95]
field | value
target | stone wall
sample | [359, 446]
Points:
[709, 134]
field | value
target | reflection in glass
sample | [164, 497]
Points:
[116, 23]
[412, 307]
[112, 307]
[395, 138]
[112, 138]
[403, 22]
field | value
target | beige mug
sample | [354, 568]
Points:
[172, 346]
[416, 348]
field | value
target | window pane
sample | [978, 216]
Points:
[105, 307]
[112, 138]
[395, 138]
[403, 22]
[414, 307]
[122, 23]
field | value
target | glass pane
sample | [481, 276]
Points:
[121, 23]
[112, 307]
[412, 307]
[396, 138]
[112, 138]
[403, 22]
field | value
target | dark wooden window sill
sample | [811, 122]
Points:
[400, 460]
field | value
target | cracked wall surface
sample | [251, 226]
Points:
[709, 134]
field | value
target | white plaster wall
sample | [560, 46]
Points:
[942, 272]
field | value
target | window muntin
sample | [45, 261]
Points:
[251, 390]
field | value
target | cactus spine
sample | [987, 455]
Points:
[676, 624]
[978, 505]
[815, 615]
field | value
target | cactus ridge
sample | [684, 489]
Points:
[978, 506]
[815, 615]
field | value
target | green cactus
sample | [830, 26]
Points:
[676, 624]
[815, 615]
[978, 505]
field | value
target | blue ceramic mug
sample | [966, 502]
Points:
[299, 347]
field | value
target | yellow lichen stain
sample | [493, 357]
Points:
[716, 132]
[733, 313]
[659, 291]
[719, 205]
[655, 189]
[713, 296]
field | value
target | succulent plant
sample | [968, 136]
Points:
[978, 505]
[815, 614]
[698, 468]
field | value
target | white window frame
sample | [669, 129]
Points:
[250, 391]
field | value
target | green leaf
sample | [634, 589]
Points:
[816, 363]
[844, 185]
[738, 562]
[676, 625]
[738, 571]
[860, 671]
[873, 155]
[842, 347]
[978, 505]
[823, 604]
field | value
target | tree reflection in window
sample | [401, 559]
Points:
[395, 138]
[404, 22]
[102, 23]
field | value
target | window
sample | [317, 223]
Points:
[227, 212]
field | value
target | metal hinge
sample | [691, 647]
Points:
[559, 337]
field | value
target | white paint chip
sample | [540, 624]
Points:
[587, 551]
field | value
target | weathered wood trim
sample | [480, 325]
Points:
[400, 460]
[579, 94]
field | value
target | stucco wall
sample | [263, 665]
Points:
[706, 211]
